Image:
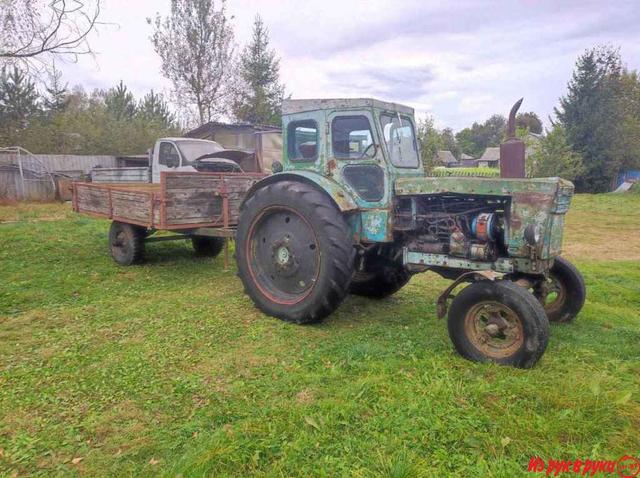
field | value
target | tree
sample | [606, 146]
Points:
[120, 102]
[57, 95]
[154, 108]
[478, 137]
[553, 156]
[430, 142]
[626, 145]
[590, 114]
[195, 43]
[18, 103]
[258, 97]
[449, 142]
[40, 30]
[530, 121]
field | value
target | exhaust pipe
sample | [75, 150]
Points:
[512, 150]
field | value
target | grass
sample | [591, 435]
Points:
[168, 369]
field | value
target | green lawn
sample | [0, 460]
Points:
[167, 368]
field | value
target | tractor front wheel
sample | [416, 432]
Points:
[295, 252]
[562, 293]
[498, 321]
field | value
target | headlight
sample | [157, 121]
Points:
[532, 234]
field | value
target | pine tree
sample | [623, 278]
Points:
[258, 98]
[154, 108]
[120, 102]
[18, 103]
[57, 93]
[589, 115]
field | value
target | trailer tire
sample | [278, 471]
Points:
[498, 321]
[126, 243]
[207, 246]
[566, 282]
[295, 252]
[380, 283]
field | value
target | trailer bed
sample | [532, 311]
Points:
[182, 200]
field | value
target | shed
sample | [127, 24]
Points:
[263, 140]
[490, 158]
[446, 158]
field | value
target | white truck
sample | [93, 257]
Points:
[182, 155]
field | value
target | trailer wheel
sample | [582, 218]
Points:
[126, 243]
[207, 246]
[381, 282]
[295, 252]
[499, 322]
[563, 293]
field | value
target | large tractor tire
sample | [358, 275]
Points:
[126, 243]
[380, 281]
[207, 246]
[563, 293]
[295, 252]
[498, 321]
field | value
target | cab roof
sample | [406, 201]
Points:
[300, 106]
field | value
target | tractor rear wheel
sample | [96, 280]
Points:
[498, 321]
[295, 252]
[380, 281]
[207, 246]
[126, 243]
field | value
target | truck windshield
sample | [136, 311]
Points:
[192, 150]
[400, 140]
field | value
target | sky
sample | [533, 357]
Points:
[458, 61]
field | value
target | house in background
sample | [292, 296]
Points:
[490, 158]
[446, 158]
[264, 141]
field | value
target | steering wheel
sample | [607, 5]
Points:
[365, 153]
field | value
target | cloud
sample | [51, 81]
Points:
[458, 61]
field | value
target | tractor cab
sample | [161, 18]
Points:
[363, 145]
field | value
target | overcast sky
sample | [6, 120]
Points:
[457, 61]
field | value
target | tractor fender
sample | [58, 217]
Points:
[340, 196]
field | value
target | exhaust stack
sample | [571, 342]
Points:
[512, 150]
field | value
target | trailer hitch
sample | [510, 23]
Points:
[442, 303]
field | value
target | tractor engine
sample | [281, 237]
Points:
[470, 227]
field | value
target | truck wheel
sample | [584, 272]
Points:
[563, 293]
[499, 322]
[380, 282]
[126, 243]
[207, 246]
[295, 252]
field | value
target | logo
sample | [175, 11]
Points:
[628, 467]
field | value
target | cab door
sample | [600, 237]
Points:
[356, 154]
[356, 157]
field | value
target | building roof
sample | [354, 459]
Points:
[465, 156]
[446, 157]
[491, 154]
[238, 127]
[300, 106]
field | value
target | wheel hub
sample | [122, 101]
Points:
[494, 329]
[283, 256]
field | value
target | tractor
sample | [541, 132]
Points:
[350, 209]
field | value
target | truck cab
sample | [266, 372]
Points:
[191, 155]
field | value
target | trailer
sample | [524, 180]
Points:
[203, 207]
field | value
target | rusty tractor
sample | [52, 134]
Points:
[351, 210]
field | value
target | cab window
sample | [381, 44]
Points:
[351, 137]
[302, 140]
[168, 155]
[400, 140]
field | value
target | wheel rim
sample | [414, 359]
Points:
[552, 294]
[283, 255]
[494, 329]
